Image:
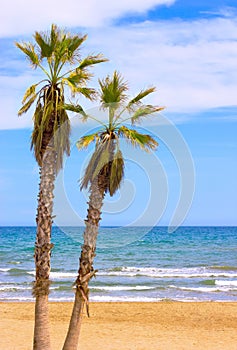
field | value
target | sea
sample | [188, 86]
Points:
[145, 264]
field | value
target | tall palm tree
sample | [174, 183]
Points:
[57, 54]
[104, 174]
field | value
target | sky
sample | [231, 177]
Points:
[188, 50]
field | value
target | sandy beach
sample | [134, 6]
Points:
[129, 326]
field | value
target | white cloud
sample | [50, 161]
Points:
[226, 11]
[192, 63]
[24, 16]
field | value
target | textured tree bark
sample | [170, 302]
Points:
[43, 248]
[86, 270]
[41, 329]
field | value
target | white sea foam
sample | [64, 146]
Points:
[57, 275]
[5, 269]
[31, 273]
[167, 272]
[123, 298]
[122, 288]
[20, 298]
[152, 272]
[12, 287]
[203, 289]
[226, 283]
[62, 299]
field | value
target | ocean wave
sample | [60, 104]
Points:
[57, 275]
[14, 271]
[17, 298]
[5, 269]
[203, 289]
[165, 272]
[102, 298]
[122, 288]
[225, 268]
[13, 288]
[226, 283]
[6, 288]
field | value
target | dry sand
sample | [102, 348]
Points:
[129, 326]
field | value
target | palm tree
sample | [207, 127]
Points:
[57, 54]
[104, 174]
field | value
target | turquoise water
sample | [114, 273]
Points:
[134, 263]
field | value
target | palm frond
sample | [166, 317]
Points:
[27, 105]
[74, 43]
[116, 172]
[76, 80]
[102, 161]
[144, 111]
[113, 89]
[77, 109]
[45, 48]
[89, 93]
[143, 141]
[91, 60]
[137, 99]
[37, 133]
[54, 36]
[50, 124]
[30, 92]
[61, 138]
[29, 51]
[93, 169]
[85, 141]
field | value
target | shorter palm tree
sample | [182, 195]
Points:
[104, 174]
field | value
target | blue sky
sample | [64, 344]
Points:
[188, 49]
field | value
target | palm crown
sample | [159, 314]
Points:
[107, 159]
[55, 53]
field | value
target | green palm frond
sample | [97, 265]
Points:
[59, 132]
[45, 48]
[99, 158]
[75, 82]
[61, 138]
[85, 141]
[91, 60]
[102, 161]
[113, 89]
[30, 92]
[144, 111]
[74, 44]
[106, 162]
[54, 36]
[116, 172]
[137, 99]
[37, 133]
[143, 141]
[89, 93]
[27, 105]
[78, 76]
[29, 51]
[77, 109]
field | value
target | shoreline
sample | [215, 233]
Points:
[161, 325]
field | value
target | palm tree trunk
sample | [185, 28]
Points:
[86, 270]
[43, 248]
[41, 329]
